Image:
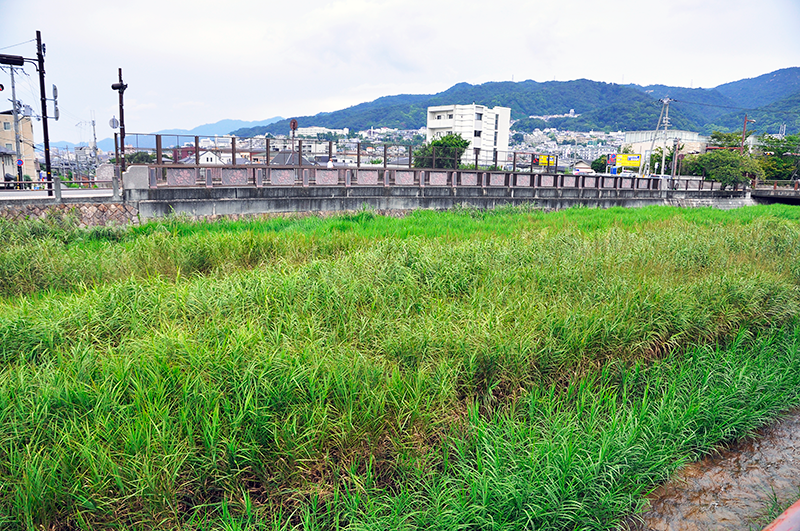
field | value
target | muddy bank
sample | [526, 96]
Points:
[734, 488]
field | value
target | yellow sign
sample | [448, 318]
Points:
[547, 160]
[628, 161]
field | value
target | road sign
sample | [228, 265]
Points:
[293, 124]
[628, 160]
[19, 162]
[113, 123]
[544, 160]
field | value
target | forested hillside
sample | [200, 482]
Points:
[773, 99]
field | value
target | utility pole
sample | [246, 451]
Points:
[675, 145]
[16, 128]
[744, 133]
[91, 165]
[655, 135]
[17, 60]
[94, 140]
[94, 148]
[45, 130]
[666, 124]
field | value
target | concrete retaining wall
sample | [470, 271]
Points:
[88, 214]
[140, 202]
[201, 202]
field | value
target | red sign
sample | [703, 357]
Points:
[19, 162]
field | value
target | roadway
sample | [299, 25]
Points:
[66, 193]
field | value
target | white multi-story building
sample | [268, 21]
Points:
[314, 130]
[485, 128]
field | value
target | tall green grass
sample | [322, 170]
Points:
[53, 254]
[498, 370]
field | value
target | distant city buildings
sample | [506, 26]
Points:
[313, 131]
[485, 128]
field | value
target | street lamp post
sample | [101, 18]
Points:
[120, 87]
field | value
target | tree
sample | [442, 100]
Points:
[599, 164]
[779, 156]
[691, 165]
[730, 167]
[140, 157]
[720, 139]
[443, 152]
[655, 158]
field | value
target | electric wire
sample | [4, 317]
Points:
[18, 44]
[713, 105]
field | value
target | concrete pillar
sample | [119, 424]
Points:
[57, 188]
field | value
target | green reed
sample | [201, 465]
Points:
[467, 369]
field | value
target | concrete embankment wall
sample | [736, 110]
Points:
[242, 201]
[140, 202]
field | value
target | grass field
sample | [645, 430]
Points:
[459, 370]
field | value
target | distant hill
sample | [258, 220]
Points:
[602, 106]
[768, 118]
[223, 127]
[762, 90]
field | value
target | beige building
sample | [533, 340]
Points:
[25, 137]
[641, 141]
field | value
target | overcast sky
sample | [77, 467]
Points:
[191, 63]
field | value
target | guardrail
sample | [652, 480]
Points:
[778, 184]
[57, 188]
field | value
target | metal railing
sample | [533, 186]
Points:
[170, 150]
[58, 188]
[264, 175]
[775, 184]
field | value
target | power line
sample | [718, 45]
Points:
[19, 44]
[712, 105]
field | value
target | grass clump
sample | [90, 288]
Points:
[454, 370]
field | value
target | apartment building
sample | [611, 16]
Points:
[25, 137]
[485, 128]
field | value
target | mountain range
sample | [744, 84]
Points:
[772, 99]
